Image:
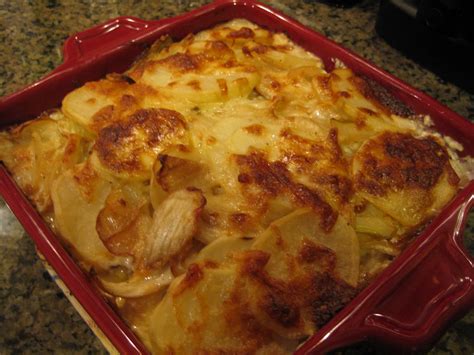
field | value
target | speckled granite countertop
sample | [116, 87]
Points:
[35, 317]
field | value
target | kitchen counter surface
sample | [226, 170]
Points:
[34, 314]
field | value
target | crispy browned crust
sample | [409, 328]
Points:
[320, 291]
[305, 152]
[156, 124]
[268, 302]
[280, 309]
[381, 97]
[333, 295]
[339, 185]
[272, 300]
[395, 161]
[274, 178]
[126, 99]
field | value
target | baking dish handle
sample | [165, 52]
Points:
[106, 37]
[89, 55]
[430, 287]
[439, 290]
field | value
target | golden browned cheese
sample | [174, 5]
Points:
[138, 136]
[229, 195]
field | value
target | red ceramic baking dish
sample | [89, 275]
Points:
[429, 286]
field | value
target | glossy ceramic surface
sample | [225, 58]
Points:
[406, 308]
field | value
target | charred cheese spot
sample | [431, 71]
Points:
[240, 220]
[320, 164]
[260, 49]
[291, 303]
[252, 262]
[244, 178]
[340, 186]
[211, 140]
[408, 178]
[397, 161]
[246, 51]
[378, 95]
[301, 149]
[210, 315]
[333, 295]
[140, 137]
[274, 179]
[280, 310]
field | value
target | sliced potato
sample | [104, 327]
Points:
[342, 83]
[373, 221]
[139, 284]
[196, 88]
[406, 177]
[199, 315]
[285, 239]
[230, 195]
[121, 208]
[141, 136]
[84, 103]
[294, 261]
[223, 249]
[84, 190]
[191, 316]
[206, 71]
[37, 152]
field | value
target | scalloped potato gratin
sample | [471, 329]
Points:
[229, 195]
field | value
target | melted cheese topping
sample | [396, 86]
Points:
[229, 193]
